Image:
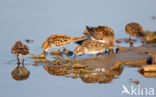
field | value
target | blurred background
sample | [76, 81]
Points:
[38, 19]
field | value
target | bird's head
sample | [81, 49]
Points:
[46, 46]
[18, 43]
[79, 51]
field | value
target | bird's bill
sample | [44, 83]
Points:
[74, 57]
[45, 53]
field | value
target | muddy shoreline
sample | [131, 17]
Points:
[104, 68]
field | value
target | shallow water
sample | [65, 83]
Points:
[37, 19]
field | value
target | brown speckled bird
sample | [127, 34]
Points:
[57, 41]
[102, 34]
[91, 47]
[20, 51]
[135, 30]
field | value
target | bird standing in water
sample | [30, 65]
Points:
[135, 30]
[91, 47]
[20, 51]
[57, 41]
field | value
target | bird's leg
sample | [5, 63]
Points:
[61, 56]
[61, 52]
[23, 62]
[111, 51]
[45, 53]
[131, 43]
[64, 49]
[58, 60]
[18, 61]
[101, 53]
[143, 41]
[18, 65]
[117, 50]
[108, 52]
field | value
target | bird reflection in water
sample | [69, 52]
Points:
[86, 74]
[100, 75]
[58, 70]
[20, 73]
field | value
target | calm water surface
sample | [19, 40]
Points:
[38, 19]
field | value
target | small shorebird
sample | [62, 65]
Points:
[91, 47]
[57, 41]
[135, 30]
[102, 34]
[20, 50]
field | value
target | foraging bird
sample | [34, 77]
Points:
[91, 47]
[135, 30]
[20, 51]
[57, 41]
[102, 34]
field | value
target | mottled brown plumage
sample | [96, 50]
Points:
[92, 47]
[56, 41]
[20, 50]
[102, 34]
[134, 29]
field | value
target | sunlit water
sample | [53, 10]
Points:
[37, 19]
